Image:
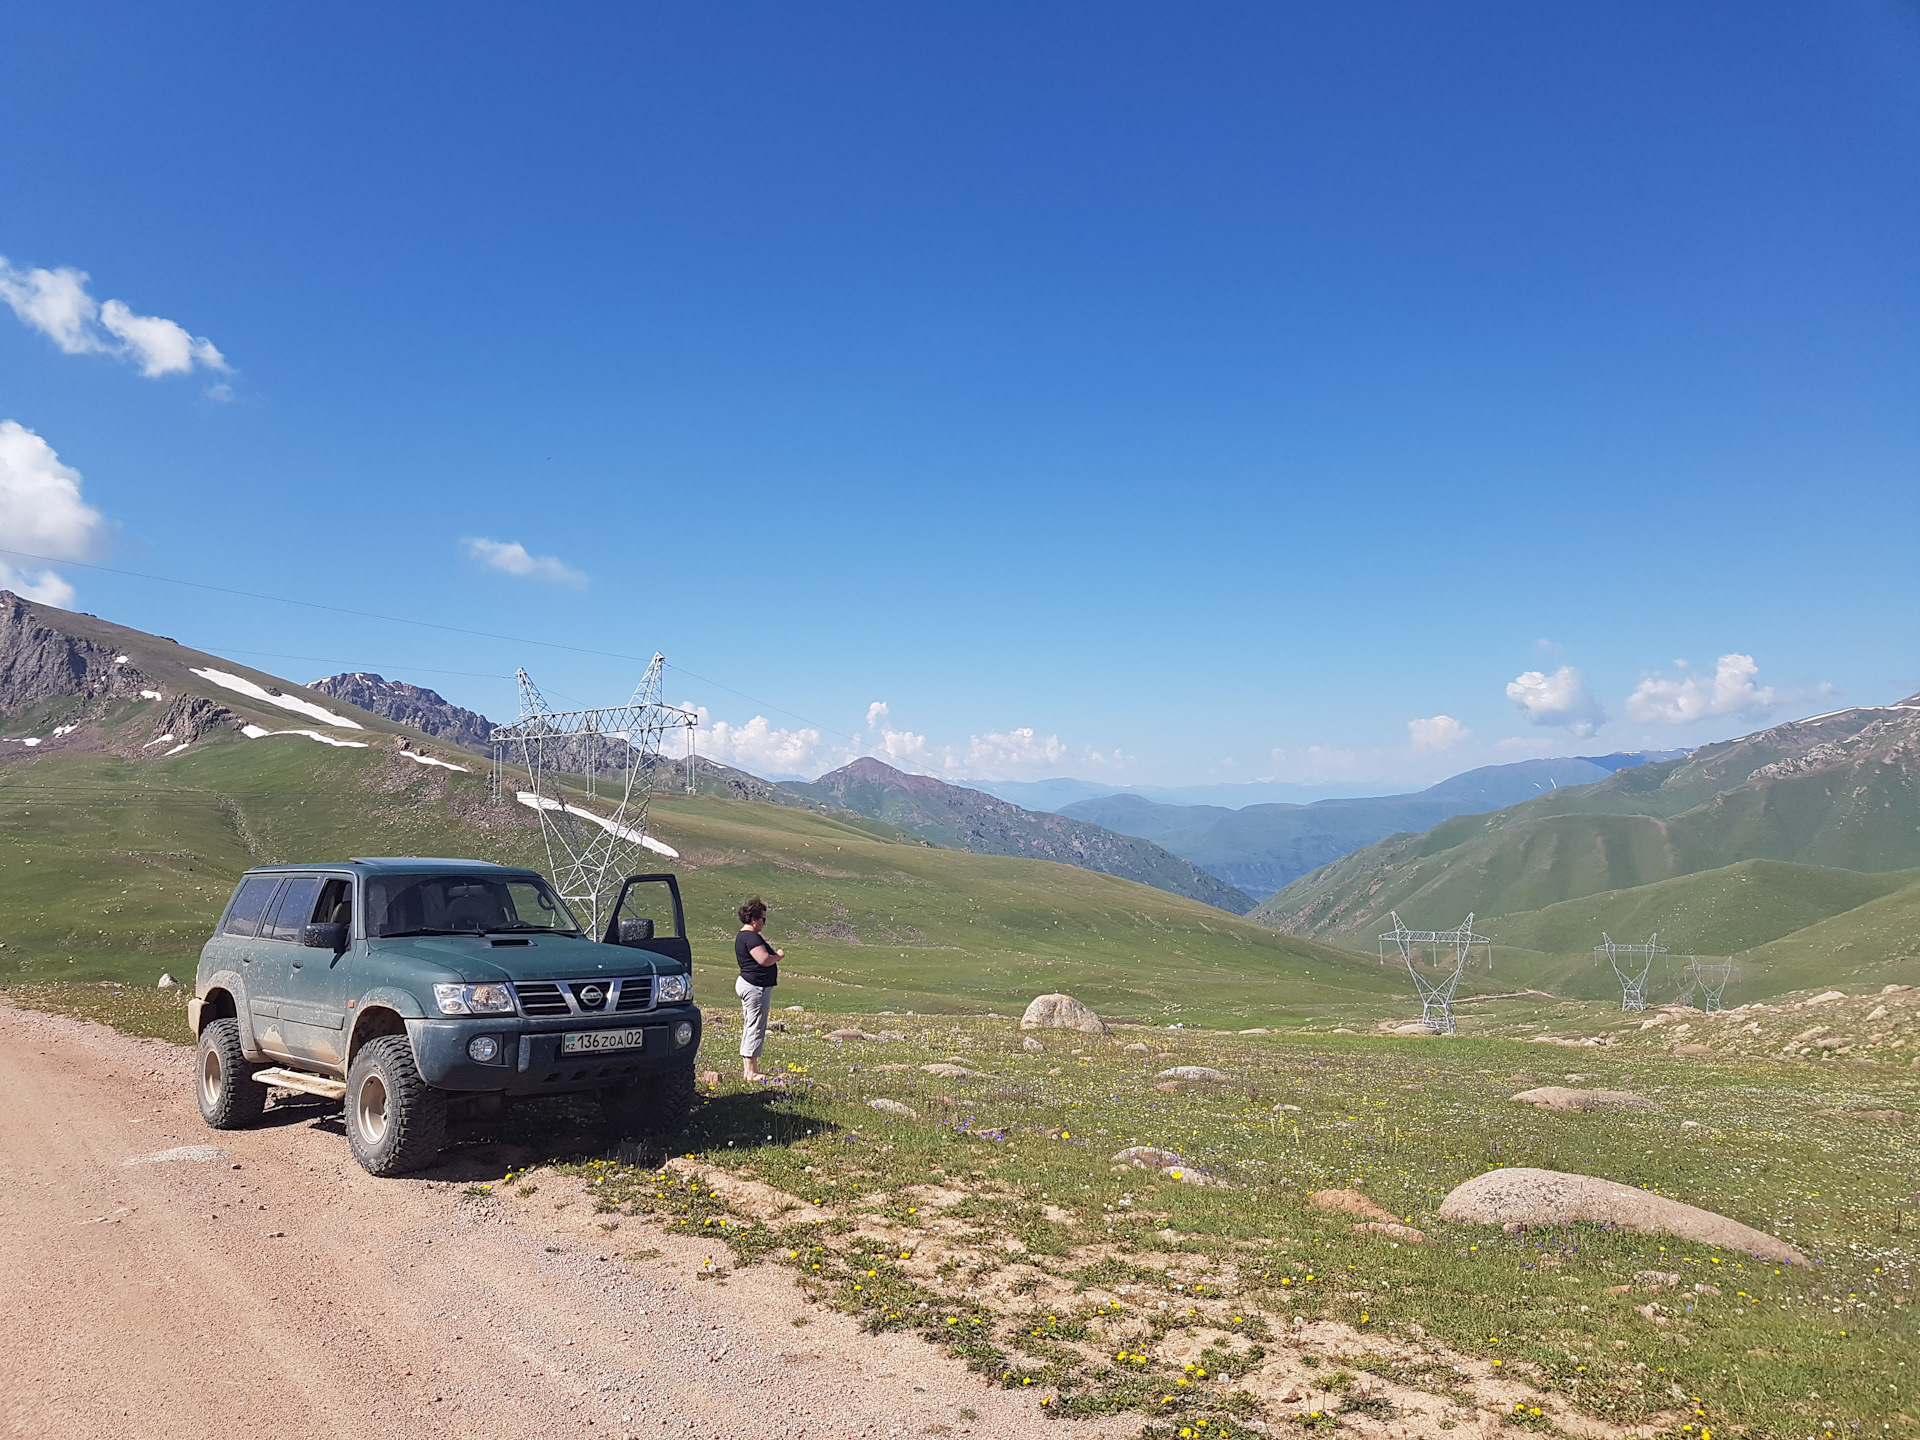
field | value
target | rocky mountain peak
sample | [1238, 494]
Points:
[425, 710]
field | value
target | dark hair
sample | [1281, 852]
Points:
[754, 909]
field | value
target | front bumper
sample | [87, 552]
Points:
[530, 1062]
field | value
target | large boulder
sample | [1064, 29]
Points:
[1062, 1012]
[1524, 1196]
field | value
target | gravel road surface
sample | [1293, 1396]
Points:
[165, 1280]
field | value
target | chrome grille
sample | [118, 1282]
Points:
[544, 999]
[541, 997]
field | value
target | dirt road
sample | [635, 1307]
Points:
[163, 1280]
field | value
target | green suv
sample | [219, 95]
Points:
[420, 990]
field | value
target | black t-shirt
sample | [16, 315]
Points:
[751, 970]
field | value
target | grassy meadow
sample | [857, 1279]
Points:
[115, 869]
[995, 1221]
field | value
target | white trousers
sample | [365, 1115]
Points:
[755, 1002]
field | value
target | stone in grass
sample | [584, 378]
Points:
[1166, 1162]
[1062, 1012]
[1195, 1072]
[1525, 1196]
[1393, 1230]
[851, 1032]
[894, 1107]
[1560, 1097]
[1351, 1202]
[948, 1071]
[1032, 1046]
[167, 982]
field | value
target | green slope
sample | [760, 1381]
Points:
[115, 868]
[1838, 792]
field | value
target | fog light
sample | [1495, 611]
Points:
[683, 1033]
[484, 1048]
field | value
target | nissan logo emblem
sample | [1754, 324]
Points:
[591, 996]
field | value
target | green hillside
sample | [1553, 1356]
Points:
[1838, 792]
[113, 868]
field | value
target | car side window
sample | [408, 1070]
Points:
[336, 904]
[293, 911]
[249, 904]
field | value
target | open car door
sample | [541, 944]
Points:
[648, 916]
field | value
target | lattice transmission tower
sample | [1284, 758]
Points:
[1709, 979]
[1444, 954]
[1632, 963]
[611, 756]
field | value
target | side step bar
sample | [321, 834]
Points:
[299, 1080]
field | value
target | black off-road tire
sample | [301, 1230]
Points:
[655, 1105]
[396, 1122]
[230, 1098]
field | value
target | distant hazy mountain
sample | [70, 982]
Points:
[1056, 794]
[966, 819]
[425, 710]
[1262, 848]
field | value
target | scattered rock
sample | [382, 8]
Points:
[1823, 999]
[1196, 1072]
[1136, 1048]
[1656, 1279]
[796, 1009]
[1551, 1197]
[1702, 1288]
[194, 1154]
[1351, 1202]
[1166, 1162]
[894, 1107]
[851, 1032]
[710, 1077]
[1062, 1012]
[951, 1072]
[1032, 1046]
[1393, 1230]
[1879, 1012]
[1693, 1050]
[167, 982]
[1661, 1019]
[1559, 1097]
[1243, 1032]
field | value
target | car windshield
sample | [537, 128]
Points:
[464, 905]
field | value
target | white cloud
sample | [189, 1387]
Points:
[41, 512]
[1688, 697]
[511, 558]
[762, 748]
[1561, 698]
[1437, 733]
[56, 303]
[1009, 755]
[901, 749]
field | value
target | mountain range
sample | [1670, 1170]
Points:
[1797, 843]
[1262, 848]
[967, 819]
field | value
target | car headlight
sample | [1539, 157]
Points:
[473, 999]
[683, 1033]
[673, 989]
[484, 1048]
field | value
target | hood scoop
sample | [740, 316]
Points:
[498, 944]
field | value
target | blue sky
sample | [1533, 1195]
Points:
[1146, 393]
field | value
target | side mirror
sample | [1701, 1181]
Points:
[635, 930]
[325, 937]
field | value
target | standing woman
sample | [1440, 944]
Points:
[759, 973]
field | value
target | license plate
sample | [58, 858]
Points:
[592, 1042]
